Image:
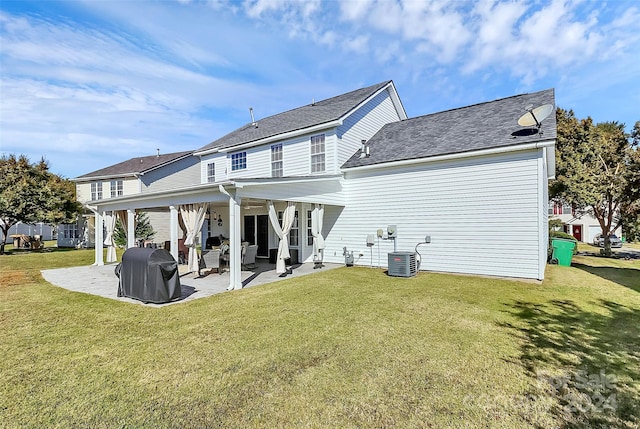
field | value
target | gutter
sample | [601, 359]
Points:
[483, 152]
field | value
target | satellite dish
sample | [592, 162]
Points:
[535, 116]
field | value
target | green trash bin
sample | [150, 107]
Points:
[562, 251]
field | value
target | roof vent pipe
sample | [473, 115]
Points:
[158, 153]
[364, 149]
[253, 121]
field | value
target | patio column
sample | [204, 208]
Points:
[235, 245]
[173, 228]
[131, 228]
[235, 262]
[99, 238]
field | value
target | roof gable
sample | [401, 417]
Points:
[481, 126]
[317, 113]
[138, 165]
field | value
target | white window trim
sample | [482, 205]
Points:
[242, 154]
[280, 161]
[323, 153]
[211, 178]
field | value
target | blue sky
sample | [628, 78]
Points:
[87, 84]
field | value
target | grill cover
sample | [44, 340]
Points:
[149, 275]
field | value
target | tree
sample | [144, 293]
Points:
[144, 229]
[596, 171]
[630, 210]
[29, 193]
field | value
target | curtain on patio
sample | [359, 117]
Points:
[193, 217]
[317, 216]
[124, 220]
[283, 232]
[110, 224]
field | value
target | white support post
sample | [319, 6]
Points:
[235, 245]
[173, 233]
[131, 228]
[99, 238]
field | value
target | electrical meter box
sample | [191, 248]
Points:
[392, 231]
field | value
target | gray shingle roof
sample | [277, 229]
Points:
[310, 115]
[481, 126]
[136, 165]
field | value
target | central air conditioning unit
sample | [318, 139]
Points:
[402, 264]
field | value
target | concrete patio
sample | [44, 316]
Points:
[101, 280]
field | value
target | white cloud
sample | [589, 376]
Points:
[179, 74]
[359, 44]
[354, 10]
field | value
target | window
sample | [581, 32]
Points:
[309, 234]
[317, 153]
[558, 209]
[96, 191]
[276, 160]
[69, 230]
[238, 161]
[211, 172]
[116, 188]
[294, 234]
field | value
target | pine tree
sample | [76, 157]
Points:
[144, 230]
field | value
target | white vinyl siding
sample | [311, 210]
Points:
[179, 174]
[363, 124]
[220, 165]
[482, 214]
[258, 163]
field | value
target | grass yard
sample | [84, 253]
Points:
[344, 348]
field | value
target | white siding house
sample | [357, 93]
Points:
[139, 175]
[470, 178]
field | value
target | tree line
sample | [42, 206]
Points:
[598, 172]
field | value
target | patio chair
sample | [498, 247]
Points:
[249, 257]
[210, 259]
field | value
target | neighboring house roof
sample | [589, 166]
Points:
[135, 166]
[301, 118]
[481, 126]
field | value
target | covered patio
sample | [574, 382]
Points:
[269, 213]
[101, 280]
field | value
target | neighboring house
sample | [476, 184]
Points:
[583, 227]
[136, 176]
[470, 178]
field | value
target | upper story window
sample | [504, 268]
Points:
[558, 209]
[96, 191]
[317, 153]
[211, 172]
[238, 161]
[116, 188]
[276, 160]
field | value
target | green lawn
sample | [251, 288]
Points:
[343, 348]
